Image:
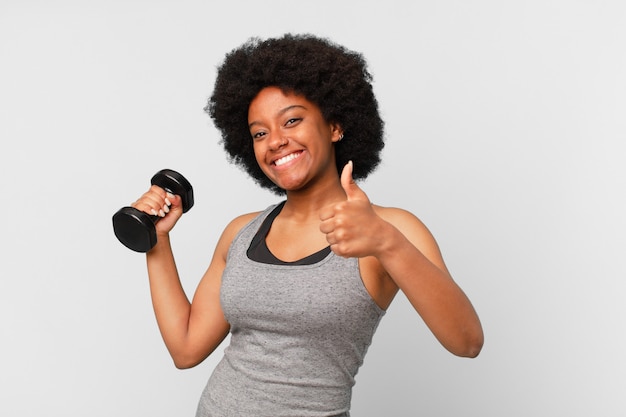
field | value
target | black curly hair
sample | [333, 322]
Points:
[327, 74]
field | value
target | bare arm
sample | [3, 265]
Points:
[413, 260]
[190, 330]
[410, 257]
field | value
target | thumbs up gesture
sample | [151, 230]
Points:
[352, 227]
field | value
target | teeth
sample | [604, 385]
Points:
[286, 159]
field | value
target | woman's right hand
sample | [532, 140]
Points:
[158, 202]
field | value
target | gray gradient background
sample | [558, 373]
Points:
[505, 131]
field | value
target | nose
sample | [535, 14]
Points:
[277, 141]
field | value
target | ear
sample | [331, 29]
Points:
[336, 131]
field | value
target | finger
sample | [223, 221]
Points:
[353, 192]
[156, 202]
[173, 200]
[346, 176]
[327, 227]
[327, 212]
[330, 238]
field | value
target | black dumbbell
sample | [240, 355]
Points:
[136, 229]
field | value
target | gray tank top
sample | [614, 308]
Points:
[299, 334]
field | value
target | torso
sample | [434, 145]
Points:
[280, 314]
[290, 242]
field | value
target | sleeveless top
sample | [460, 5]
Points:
[258, 250]
[299, 334]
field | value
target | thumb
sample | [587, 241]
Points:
[347, 183]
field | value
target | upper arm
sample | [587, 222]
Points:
[435, 296]
[417, 233]
[207, 325]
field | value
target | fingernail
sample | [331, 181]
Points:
[166, 208]
[161, 213]
[167, 202]
[154, 212]
[170, 195]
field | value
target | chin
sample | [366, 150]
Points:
[294, 185]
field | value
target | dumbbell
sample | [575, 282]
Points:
[136, 229]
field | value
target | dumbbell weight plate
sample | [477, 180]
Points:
[175, 183]
[135, 229]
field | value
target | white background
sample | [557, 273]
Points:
[505, 124]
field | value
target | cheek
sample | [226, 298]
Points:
[258, 154]
[259, 157]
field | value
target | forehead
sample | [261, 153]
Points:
[273, 100]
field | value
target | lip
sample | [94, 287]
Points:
[294, 156]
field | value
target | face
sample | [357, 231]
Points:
[293, 143]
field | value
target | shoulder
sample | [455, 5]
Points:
[230, 231]
[220, 254]
[236, 224]
[400, 218]
[410, 226]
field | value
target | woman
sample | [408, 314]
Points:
[302, 285]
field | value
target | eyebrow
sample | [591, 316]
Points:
[281, 112]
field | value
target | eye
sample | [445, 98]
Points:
[292, 121]
[258, 135]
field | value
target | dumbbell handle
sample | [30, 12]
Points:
[174, 183]
[134, 228]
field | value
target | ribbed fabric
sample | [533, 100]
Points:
[299, 334]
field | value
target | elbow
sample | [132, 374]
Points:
[189, 355]
[472, 350]
[186, 361]
[179, 364]
[472, 346]
[469, 345]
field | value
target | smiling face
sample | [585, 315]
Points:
[293, 144]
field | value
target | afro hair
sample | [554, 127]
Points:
[335, 79]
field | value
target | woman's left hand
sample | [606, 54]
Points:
[352, 227]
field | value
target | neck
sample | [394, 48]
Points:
[306, 204]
